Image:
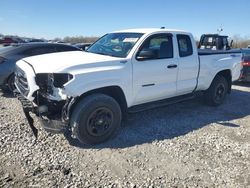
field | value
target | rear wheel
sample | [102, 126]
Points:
[95, 119]
[217, 92]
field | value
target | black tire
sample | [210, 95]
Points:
[10, 83]
[217, 92]
[95, 119]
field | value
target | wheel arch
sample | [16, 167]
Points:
[115, 92]
[227, 74]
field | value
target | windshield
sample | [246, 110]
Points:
[115, 44]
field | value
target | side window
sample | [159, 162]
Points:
[160, 46]
[185, 45]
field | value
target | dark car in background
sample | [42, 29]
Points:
[1, 39]
[245, 76]
[6, 41]
[9, 55]
[83, 46]
[35, 40]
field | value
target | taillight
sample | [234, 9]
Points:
[247, 63]
[2, 60]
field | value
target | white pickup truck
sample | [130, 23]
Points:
[88, 93]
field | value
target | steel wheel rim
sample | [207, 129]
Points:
[100, 121]
[219, 92]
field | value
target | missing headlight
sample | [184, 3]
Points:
[45, 81]
[60, 79]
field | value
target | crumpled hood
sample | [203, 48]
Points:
[58, 62]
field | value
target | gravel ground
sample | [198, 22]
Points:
[183, 145]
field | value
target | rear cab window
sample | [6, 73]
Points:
[184, 45]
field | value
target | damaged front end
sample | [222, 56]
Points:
[51, 105]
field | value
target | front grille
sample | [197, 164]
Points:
[21, 81]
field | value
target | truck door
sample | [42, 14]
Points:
[155, 69]
[188, 65]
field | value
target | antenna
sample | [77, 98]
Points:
[220, 29]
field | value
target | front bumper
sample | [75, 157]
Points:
[55, 124]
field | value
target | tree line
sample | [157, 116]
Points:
[77, 39]
[238, 41]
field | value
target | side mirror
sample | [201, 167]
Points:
[86, 47]
[146, 55]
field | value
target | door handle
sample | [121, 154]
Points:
[172, 66]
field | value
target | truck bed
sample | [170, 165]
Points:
[215, 52]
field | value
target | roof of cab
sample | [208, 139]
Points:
[149, 30]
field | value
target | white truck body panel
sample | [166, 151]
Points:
[66, 61]
[209, 67]
[188, 69]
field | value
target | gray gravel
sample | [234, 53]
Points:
[183, 145]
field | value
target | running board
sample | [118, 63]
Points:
[161, 103]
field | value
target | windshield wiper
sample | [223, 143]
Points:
[101, 53]
[105, 54]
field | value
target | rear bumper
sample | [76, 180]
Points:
[245, 79]
[245, 76]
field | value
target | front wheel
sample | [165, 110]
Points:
[95, 119]
[217, 92]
